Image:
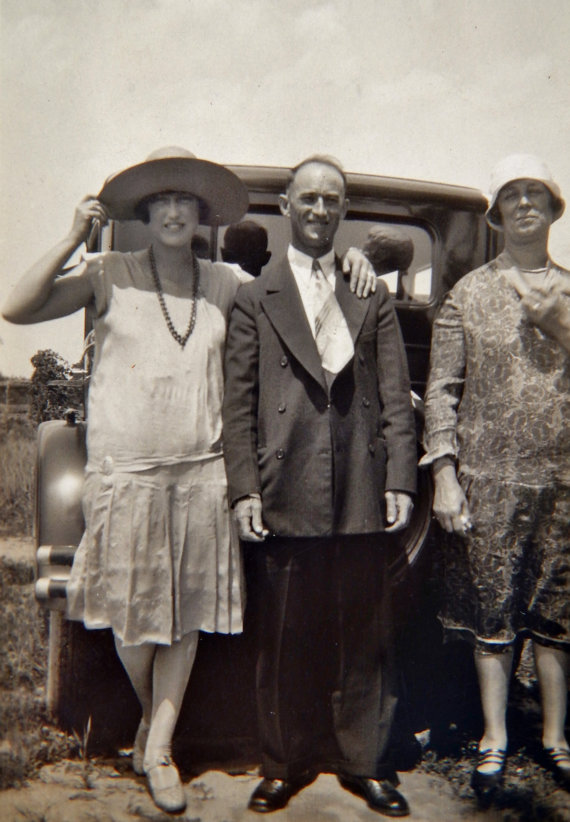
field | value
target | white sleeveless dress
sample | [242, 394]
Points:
[160, 555]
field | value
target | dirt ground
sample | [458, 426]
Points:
[106, 790]
[60, 795]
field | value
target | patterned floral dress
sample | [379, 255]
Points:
[160, 555]
[498, 403]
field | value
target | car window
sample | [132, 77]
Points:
[403, 248]
[407, 270]
[412, 282]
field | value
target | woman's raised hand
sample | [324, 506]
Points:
[88, 212]
[42, 294]
[549, 311]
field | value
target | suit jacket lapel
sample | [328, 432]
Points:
[353, 308]
[284, 309]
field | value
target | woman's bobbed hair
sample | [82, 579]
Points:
[142, 208]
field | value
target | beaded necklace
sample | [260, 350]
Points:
[181, 340]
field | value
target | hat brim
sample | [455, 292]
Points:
[222, 191]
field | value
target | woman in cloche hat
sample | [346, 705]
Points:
[496, 436]
[159, 560]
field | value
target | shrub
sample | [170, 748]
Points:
[53, 389]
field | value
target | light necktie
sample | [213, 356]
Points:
[332, 336]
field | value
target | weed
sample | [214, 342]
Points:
[82, 743]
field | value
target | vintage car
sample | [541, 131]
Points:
[450, 237]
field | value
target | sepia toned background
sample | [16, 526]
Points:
[434, 89]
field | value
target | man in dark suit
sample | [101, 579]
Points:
[320, 449]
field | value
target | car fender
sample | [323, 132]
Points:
[59, 524]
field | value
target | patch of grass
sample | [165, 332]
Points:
[27, 738]
[18, 446]
[23, 629]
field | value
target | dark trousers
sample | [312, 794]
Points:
[325, 674]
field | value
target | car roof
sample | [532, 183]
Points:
[274, 179]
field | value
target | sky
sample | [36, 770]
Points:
[429, 89]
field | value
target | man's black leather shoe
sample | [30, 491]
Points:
[380, 794]
[272, 795]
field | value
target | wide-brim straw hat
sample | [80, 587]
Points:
[521, 167]
[223, 195]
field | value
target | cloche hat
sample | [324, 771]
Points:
[176, 169]
[521, 167]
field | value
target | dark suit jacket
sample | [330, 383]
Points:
[320, 462]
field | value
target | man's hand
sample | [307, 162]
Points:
[549, 311]
[247, 512]
[449, 501]
[362, 274]
[398, 510]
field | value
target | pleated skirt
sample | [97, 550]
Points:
[160, 555]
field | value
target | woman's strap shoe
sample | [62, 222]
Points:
[557, 760]
[487, 780]
[165, 786]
